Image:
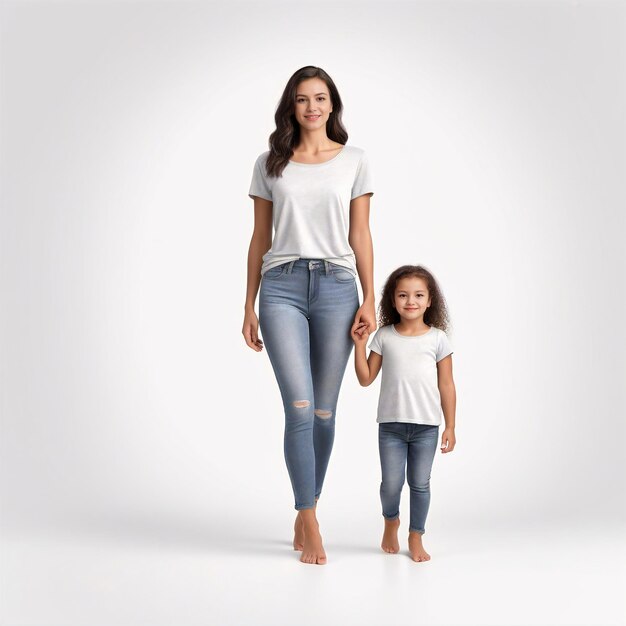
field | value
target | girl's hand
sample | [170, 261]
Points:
[448, 440]
[359, 332]
[367, 314]
[250, 331]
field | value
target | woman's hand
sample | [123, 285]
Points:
[251, 331]
[366, 314]
[448, 440]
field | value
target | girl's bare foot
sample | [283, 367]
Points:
[298, 532]
[390, 542]
[312, 550]
[416, 548]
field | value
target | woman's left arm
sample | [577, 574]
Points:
[360, 240]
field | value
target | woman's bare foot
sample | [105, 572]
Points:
[390, 542]
[416, 548]
[298, 532]
[312, 550]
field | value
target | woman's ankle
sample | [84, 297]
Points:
[308, 517]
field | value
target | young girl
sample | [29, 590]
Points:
[413, 349]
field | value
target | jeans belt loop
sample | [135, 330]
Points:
[290, 268]
[327, 267]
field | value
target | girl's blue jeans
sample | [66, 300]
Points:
[306, 310]
[412, 446]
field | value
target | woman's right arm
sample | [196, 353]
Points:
[260, 243]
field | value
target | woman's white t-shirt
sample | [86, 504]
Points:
[311, 206]
[409, 390]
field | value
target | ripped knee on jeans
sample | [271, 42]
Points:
[323, 414]
[301, 404]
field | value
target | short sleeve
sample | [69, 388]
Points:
[259, 185]
[363, 180]
[377, 345]
[444, 348]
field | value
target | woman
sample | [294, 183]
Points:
[315, 191]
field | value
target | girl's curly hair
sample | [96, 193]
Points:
[436, 314]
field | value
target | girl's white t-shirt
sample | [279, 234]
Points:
[311, 207]
[409, 390]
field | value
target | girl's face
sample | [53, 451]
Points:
[411, 298]
[312, 106]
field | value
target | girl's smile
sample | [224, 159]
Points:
[411, 299]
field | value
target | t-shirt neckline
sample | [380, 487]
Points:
[393, 328]
[323, 162]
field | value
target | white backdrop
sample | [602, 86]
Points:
[131, 406]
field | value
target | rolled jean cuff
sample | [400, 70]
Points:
[300, 507]
[415, 530]
[391, 517]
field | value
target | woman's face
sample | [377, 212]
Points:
[312, 106]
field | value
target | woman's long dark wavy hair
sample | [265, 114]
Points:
[436, 314]
[287, 134]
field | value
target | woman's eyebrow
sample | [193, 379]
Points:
[301, 95]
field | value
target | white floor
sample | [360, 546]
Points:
[133, 571]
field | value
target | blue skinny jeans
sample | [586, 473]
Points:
[412, 446]
[306, 310]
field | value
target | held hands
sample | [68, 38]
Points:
[359, 332]
[448, 440]
[250, 331]
[364, 322]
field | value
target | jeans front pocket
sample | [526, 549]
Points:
[275, 272]
[341, 274]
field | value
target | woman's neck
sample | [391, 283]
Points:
[313, 142]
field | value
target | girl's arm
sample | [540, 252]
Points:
[447, 390]
[366, 369]
[360, 240]
[259, 244]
